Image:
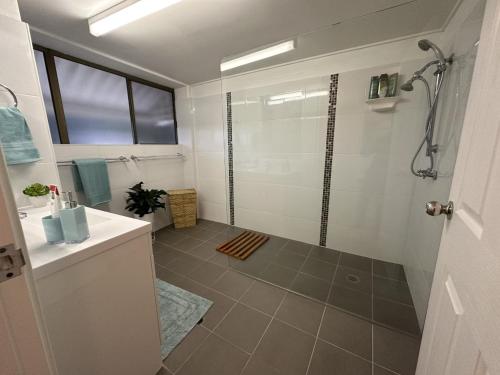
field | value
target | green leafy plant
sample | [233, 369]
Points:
[143, 201]
[36, 190]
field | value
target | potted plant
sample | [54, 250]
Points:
[144, 202]
[37, 194]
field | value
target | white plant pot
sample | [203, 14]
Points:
[150, 218]
[40, 201]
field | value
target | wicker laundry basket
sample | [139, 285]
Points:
[183, 207]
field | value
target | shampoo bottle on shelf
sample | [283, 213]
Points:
[73, 220]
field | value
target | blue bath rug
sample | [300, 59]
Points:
[180, 310]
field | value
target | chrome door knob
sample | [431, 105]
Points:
[434, 208]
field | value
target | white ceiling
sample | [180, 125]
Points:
[184, 44]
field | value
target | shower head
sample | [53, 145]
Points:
[408, 85]
[426, 44]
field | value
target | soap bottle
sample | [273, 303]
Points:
[73, 220]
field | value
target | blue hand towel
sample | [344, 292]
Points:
[91, 177]
[15, 137]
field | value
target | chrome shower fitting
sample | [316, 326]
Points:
[442, 64]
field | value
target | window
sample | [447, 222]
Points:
[47, 96]
[95, 104]
[90, 104]
[154, 114]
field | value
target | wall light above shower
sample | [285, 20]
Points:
[258, 55]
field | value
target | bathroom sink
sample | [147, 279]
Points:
[35, 217]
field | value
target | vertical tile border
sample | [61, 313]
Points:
[229, 121]
[327, 176]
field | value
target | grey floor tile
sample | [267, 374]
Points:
[394, 290]
[348, 332]
[328, 359]
[187, 347]
[224, 236]
[395, 351]
[356, 261]
[285, 349]
[163, 371]
[275, 242]
[184, 264]
[318, 268]
[395, 315]
[264, 297]
[215, 357]
[243, 327]
[169, 237]
[168, 276]
[205, 251]
[297, 247]
[164, 255]
[351, 300]
[279, 275]
[325, 254]
[377, 370]
[188, 244]
[311, 286]
[301, 312]
[256, 367]
[251, 266]
[354, 279]
[207, 273]
[289, 260]
[219, 227]
[221, 305]
[233, 284]
[220, 259]
[389, 270]
[202, 234]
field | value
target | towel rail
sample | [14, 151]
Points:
[121, 159]
[156, 157]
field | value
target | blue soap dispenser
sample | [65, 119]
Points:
[73, 220]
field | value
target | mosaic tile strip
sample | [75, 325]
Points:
[327, 176]
[229, 121]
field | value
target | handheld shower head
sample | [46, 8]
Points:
[426, 44]
[407, 86]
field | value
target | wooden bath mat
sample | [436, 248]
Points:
[242, 246]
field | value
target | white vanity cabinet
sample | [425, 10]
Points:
[98, 297]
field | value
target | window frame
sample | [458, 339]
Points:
[55, 92]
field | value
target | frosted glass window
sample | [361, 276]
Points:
[95, 104]
[154, 114]
[47, 96]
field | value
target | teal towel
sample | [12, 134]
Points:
[15, 137]
[91, 177]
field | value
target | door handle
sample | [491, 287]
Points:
[434, 208]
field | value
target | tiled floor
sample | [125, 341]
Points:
[257, 328]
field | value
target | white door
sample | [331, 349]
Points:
[462, 331]
[22, 348]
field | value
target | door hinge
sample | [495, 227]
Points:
[11, 261]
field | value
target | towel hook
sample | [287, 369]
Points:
[11, 93]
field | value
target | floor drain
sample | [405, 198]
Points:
[353, 278]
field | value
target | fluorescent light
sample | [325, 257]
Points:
[258, 55]
[314, 94]
[124, 13]
[290, 95]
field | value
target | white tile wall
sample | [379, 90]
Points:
[18, 71]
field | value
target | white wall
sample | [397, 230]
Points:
[18, 72]
[156, 174]
[424, 233]
[201, 132]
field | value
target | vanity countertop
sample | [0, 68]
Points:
[107, 230]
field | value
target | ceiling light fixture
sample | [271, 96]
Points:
[258, 55]
[125, 13]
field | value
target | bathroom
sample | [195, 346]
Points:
[339, 144]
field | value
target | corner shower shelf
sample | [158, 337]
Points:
[383, 104]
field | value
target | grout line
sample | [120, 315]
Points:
[323, 316]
